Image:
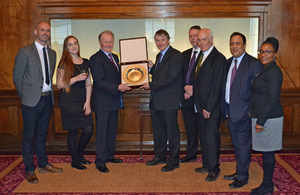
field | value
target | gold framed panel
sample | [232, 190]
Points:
[135, 74]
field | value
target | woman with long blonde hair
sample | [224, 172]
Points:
[74, 81]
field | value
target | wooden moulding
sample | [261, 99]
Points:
[151, 8]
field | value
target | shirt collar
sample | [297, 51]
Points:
[198, 50]
[105, 52]
[164, 51]
[239, 59]
[39, 46]
[207, 52]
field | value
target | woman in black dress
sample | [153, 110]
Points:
[74, 81]
[267, 113]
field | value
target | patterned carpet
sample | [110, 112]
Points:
[134, 177]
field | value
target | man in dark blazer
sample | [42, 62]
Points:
[242, 70]
[107, 99]
[165, 102]
[190, 61]
[210, 75]
[32, 75]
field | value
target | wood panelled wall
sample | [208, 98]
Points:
[279, 18]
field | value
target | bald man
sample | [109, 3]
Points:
[32, 75]
[210, 76]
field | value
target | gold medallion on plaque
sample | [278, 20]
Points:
[134, 74]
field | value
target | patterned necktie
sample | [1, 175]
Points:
[199, 64]
[112, 61]
[158, 58]
[233, 72]
[192, 63]
[46, 66]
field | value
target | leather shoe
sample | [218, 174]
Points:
[115, 160]
[103, 168]
[212, 177]
[230, 177]
[85, 162]
[78, 166]
[185, 159]
[169, 167]
[31, 177]
[201, 170]
[264, 188]
[237, 183]
[155, 161]
[50, 169]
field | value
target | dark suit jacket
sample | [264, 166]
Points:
[185, 67]
[240, 89]
[209, 84]
[106, 79]
[265, 94]
[28, 74]
[166, 85]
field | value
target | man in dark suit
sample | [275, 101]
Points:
[165, 102]
[242, 70]
[32, 75]
[190, 61]
[210, 75]
[107, 99]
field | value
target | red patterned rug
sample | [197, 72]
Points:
[286, 176]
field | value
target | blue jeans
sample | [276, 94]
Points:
[35, 127]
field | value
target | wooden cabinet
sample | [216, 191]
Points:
[128, 136]
[279, 18]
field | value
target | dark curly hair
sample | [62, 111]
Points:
[272, 41]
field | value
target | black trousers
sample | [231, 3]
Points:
[106, 126]
[241, 140]
[190, 123]
[210, 142]
[35, 127]
[165, 126]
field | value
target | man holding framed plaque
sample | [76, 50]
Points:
[107, 99]
[165, 101]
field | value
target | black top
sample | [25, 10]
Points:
[265, 94]
[71, 104]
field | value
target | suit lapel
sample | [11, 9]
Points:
[116, 60]
[108, 62]
[271, 65]
[242, 66]
[187, 60]
[36, 58]
[165, 58]
[208, 59]
[52, 61]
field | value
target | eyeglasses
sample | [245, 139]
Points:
[267, 52]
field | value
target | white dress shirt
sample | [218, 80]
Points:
[41, 55]
[227, 92]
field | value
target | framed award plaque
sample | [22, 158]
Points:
[133, 59]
